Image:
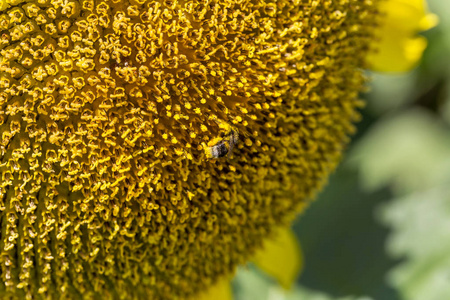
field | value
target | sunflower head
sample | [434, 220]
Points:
[108, 114]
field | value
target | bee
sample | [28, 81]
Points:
[222, 145]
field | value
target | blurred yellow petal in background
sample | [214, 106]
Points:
[221, 290]
[281, 257]
[398, 48]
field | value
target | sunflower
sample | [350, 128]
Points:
[147, 148]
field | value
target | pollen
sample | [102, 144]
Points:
[105, 187]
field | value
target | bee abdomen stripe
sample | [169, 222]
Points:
[219, 150]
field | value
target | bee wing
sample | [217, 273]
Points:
[234, 137]
[231, 149]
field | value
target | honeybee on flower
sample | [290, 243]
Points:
[223, 144]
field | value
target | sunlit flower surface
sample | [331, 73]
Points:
[148, 147]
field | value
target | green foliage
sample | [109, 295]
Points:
[408, 151]
[421, 231]
[250, 284]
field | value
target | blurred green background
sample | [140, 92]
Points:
[381, 228]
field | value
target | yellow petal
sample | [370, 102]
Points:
[398, 48]
[281, 257]
[221, 290]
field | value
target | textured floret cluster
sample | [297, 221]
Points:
[106, 188]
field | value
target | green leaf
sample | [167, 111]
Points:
[250, 284]
[408, 152]
[421, 231]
